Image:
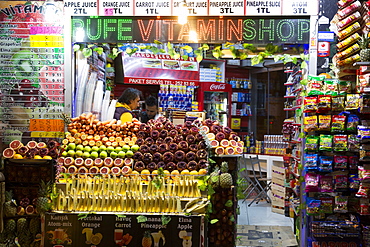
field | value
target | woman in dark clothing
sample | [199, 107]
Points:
[126, 103]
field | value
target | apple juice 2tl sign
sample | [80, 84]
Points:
[209, 29]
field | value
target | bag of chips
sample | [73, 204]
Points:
[324, 103]
[313, 206]
[326, 183]
[312, 143]
[310, 123]
[324, 122]
[341, 204]
[354, 182]
[337, 103]
[325, 164]
[310, 161]
[326, 205]
[353, 143]
[312, 182]
[340, 162]
[315, 85]
[340, 143]
[344, 87]
[352, 102]
[338, 123]
[352, 122]
[353, 162]
[340, 182]
[310, 104]
[326, 142]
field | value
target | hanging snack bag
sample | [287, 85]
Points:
[350, 60]
[342, 13]
[338, 123]
[364, 174]
[326, 143]
[331, 87]
[326, 183]
[353, 143]
[326, 205]
[352, 102]
[337, 103]
[365, 152]
[364, 207]
[352, 122]
[341, 204]
[340, 162]
[313, 206]
[348, 52]
[348, 41]
[344, 87]
[340, 182]
[354, 182]
[312, 182]
[363, 132]
[312, 143]
[344, 3]
[324, 122]
[315, 85]
[324, 103]
[340, 143]
[363, 191]
[348, 20]
[365, 104]
[345, 33]
[363, 83]
[310, 161]
[353, 162]
[310, 123]
[310, 104]
[325, 164]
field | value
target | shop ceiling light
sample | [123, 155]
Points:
[193, 36]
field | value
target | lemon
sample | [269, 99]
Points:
[37, 157]
[17, 156]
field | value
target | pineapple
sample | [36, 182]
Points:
[364, 46]
[226, 180]
[147, 239]
[10, 227]
[43, 202]
[10, 206]
[214, 178]
[224, 167]
[21, 225]
[35, 226]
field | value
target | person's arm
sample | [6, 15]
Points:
[126, 117]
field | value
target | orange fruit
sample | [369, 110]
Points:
[211, 136]
[202, 172]
[92, 143]
[185, 172]
[112, 139]
[145, 173]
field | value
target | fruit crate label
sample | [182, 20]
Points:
[31, 67]
[46, 125]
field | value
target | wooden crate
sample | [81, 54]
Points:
[278, 202]
[279, 210]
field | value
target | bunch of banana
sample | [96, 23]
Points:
[197, 205]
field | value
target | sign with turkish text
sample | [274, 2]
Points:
[193, 8]
[300, 7]
[226, 7]
[116, 7]
[81, 8]
[153, 8]
[263, 7]
[253, 30]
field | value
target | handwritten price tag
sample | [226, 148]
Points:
[45, 134]
[46, 125]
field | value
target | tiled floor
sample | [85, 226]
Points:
[260, 215]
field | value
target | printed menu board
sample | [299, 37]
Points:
[101, 230]
[31, 69]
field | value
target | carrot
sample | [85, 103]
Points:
[75, 119]
[119, 122]
[83, 116]
[105, 122]
[89, 115]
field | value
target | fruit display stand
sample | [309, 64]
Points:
[146, 176]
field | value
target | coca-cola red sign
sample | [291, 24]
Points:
[216, 87]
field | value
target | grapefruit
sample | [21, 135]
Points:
[98, 162]
[104, 170]
[94, 170]
[41, 145]
[233, 143]
[224, 143]
[68, 161]
[108, 162]
[72, 169]
[89, 162]
[8, 153]
[17, 156]
[128, 161]
[118, 162]
[126, 170]
[82, 170]
[214, 143]
[116, 170]
[241, 144]
[79, 161]
[238, 150]
[30, 209]
[63, 169]
[32, 144]
[205, 129]
[229, 151]
[219, 150]
[15, 144]
[211, 136]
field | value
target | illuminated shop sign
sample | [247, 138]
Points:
[209, 30]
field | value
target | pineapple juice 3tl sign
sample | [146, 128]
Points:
[253, 30]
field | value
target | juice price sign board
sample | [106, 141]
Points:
[193, 8]
[81, 8]
[116, 8]
[226, 7]
[263, 7]
[153, 8]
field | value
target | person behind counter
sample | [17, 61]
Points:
[151, 106]
[126, 103]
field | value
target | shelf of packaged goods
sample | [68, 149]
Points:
[297, 90]
[294, 141]
[297, 124]
[297, 107]
[289, 109]
[288, 83]
[239, 116]
[240, 102]
[290, 96]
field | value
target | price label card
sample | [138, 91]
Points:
[116, 8]
[226, 7]
[263, 7]
[300, 7]
[46, 41]
[193, 8]
[153, 8]
[46, 125]
[45, 134]
[81, 8]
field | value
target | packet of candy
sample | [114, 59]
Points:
[326, 142]
[348, 41]
[340, 162]
[344, 87]
[340, 182]
[337, 103]
[326, 183]
[352, 122]
[348, 20]
[314, 85]
[353, 162]
[363, 132]
[338, 123]
[313, 206]
[310, 161]
[312, 182]
[354, 182]
[310, 123]
[344, 3]
[365, 104]
[312, 143]
[352, 102]
[364, 153]
[349, 9]
[353, 143]
[324, 103]
[341, 205]
[324, 122]
[331, 85]
[310, 104]
[340, 143]
[325, 164]
[364, 206]
[326, 205]
[345, 33]
[363, 191]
